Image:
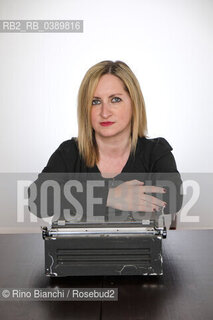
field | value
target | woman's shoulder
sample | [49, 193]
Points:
[153, 148]
[153, 143]
[69, 145]
[64, 157]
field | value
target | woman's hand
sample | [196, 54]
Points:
[132, 196]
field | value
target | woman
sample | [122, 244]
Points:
[112, 142]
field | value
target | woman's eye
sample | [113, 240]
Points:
[95, 102]
[116, 99]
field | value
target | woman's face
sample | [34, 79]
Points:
[111, 111]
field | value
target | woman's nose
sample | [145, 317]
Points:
[105, 110]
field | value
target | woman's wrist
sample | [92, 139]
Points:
[109, 197]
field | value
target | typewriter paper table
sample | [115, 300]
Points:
[185, 291]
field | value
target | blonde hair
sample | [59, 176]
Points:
[86, 139]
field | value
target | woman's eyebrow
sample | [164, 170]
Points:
[112, 95]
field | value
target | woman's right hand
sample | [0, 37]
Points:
[134, 196]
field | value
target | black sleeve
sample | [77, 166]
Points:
[45, 193]
[86, 193]
[165, 174]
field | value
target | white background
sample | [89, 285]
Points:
[167, 43]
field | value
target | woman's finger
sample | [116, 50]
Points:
[145, 206]
[134, 182]
[153, 189]
[152, 200]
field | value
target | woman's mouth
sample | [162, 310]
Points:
[105, 124]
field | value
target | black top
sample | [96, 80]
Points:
[153, 161]
[152, 155]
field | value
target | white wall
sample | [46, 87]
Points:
[167, 43]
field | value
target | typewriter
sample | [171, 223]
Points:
[104, 249]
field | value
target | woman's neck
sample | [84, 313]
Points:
[114, 148]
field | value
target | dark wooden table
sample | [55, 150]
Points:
[185, 291]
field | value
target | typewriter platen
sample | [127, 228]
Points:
[97, 249]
